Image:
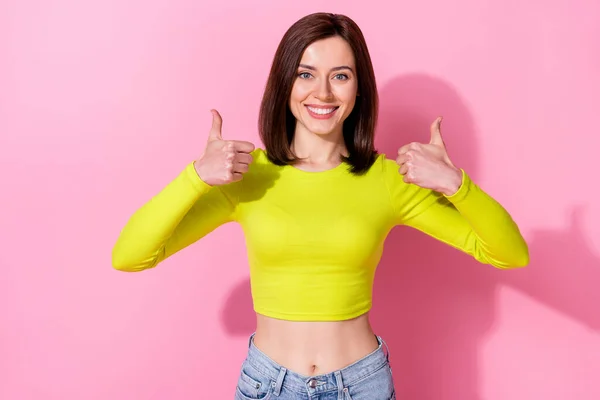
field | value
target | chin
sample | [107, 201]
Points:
[324, 127]
[321, 130]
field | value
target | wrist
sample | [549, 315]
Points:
[198, 169]
[454, 182]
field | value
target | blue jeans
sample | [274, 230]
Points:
[368, 378]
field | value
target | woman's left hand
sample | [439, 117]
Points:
[428, 165]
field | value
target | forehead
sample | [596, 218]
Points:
[328, 53]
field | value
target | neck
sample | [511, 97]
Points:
[318, 150]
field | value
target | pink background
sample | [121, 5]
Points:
[103, 102]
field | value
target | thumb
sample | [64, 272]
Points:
[217, 124]
[436, 133]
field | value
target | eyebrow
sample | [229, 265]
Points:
[332, 69]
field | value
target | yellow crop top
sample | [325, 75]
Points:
[314, 239]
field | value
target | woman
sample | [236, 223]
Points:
[316, 206]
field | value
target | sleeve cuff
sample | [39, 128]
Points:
[463, 190]
[201, 186]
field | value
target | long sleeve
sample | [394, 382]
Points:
[469, 220]
[186, 210]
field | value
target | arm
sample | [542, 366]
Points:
[469, 220]
[439, 199]
[186, 210]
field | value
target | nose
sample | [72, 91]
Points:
[323, 90]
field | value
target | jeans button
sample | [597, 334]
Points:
[312, 383]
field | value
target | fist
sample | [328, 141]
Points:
[223, 161]
[428, 165]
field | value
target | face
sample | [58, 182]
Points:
[325, 89]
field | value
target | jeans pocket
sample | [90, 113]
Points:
[253, 385]
[348, 397]
[379, 385]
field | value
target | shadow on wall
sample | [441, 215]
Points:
[433, 304]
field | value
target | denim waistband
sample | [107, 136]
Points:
[336, 380]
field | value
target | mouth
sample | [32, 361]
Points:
[321, 112]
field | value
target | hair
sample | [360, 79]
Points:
[275, 117]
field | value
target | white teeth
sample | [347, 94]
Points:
[322, 111]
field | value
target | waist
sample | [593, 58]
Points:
[321, 381]
[311, 348]
[299, 295]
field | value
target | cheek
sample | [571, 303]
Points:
[348, 97]
[300, 92]
[297, 96]
[347, 94]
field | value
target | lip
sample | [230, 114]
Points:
[321, 107]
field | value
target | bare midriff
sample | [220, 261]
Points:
[313, 348]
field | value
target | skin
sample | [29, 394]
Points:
[326, 78]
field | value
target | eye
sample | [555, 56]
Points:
[304, 75]
[342, 77]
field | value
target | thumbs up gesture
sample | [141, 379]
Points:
[428, 165]
[223, 161]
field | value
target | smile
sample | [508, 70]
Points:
[321, 112]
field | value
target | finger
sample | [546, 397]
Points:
[404, 149]
[232, 176]
[402, 158]
[243, 158]
[403, 169]
[236, 177]
[414, 146]
[242, 146]
[240, 168]
[436, 132]
[217, 125]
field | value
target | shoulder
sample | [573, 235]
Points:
[385, 167]
[391, 177]
[259, 157]
[261, 163]
[261, 172]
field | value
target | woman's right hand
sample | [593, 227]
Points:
[223, 161]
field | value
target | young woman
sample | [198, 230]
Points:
[316, 206]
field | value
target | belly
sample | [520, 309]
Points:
[313, 348]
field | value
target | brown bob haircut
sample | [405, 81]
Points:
[275, 117]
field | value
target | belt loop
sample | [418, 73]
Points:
[279, 383]
[340, 384]
[387, 349]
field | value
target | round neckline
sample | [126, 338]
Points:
[341, 167]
